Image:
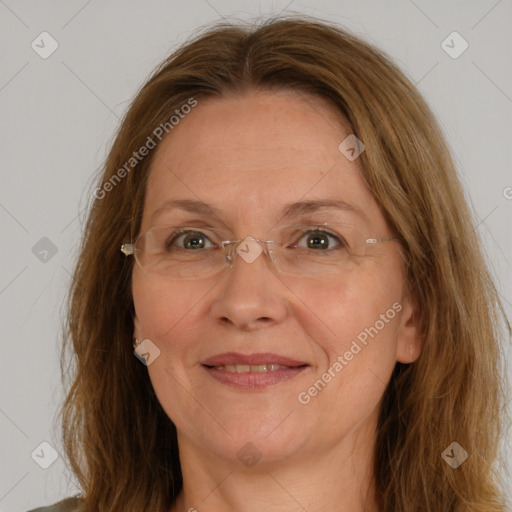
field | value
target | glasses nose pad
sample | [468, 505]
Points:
[230, 256]
[273, 259]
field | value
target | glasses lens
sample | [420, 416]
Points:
[319, 250]
[180, 253]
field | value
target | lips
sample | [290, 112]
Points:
[245, 368]
[233, 358]
[253, 371]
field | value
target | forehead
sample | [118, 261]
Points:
[251, 155]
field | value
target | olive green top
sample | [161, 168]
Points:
[67, 505]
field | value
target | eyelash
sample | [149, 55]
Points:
[176, 235]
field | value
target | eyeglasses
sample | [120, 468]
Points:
[304, 250]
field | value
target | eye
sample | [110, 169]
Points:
[192, 240]
[319, 239]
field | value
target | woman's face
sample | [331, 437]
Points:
[249, 157]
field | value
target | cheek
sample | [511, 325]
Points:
[360, 317]
[359, 349]
[166, 315]
[162, 306]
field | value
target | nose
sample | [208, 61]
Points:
[250, 294]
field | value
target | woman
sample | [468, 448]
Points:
[280, 238]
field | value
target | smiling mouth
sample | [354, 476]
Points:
[252, 372]
[258, 368]
[253, 377]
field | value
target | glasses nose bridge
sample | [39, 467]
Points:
[232, 245]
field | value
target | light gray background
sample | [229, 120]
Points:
[59, 115]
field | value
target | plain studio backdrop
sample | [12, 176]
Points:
[68, 72]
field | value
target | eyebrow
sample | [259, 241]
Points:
[290, 210]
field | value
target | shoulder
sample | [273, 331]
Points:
[67, 505]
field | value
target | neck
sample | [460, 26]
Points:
[336, 477]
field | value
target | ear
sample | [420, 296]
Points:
[410, 343]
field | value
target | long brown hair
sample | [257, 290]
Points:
[121, 445]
